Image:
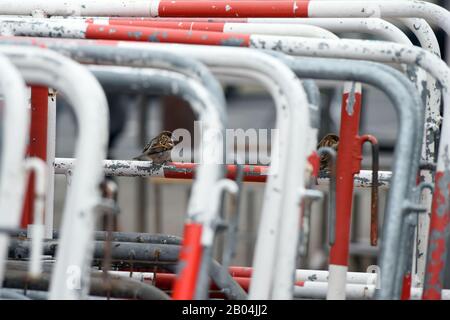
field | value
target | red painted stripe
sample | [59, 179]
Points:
[248, 9]
[189, 261]
[252, 173]
[165, 281]
[166, 35]
[37, 146]
[406, 288]
[178, 19]
[314, 160]
[348, 164]
[245, 272]
[437, 246]
[184, 25]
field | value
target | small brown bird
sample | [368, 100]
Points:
[158, 149]
[330, 140]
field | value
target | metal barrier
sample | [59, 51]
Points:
[40, 66]
[166, 82]
[285, 187]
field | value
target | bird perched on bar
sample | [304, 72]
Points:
[330, 140]
[158, 149]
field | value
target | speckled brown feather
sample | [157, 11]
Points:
[158, 149]
[162, 142]
[330, 140]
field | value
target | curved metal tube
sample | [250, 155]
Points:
[152, 252]
[168, 82]
[432, 95]
[150, 81]
[117, 287]
[295, 125]
[270, 86]
[269, 235]
[386, 80]
[89, 52]
[14, 142]
[386, 52]
[428, 41]
[245, 28]
[164, 82]
[332, 193]
[83, 92]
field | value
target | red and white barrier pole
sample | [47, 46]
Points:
[42, 146]
[348, 164]
[37, 146]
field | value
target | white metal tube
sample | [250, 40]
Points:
[51, 150]
[317, 290]
[124, 8]
[200, 209]
[374, 26]
[292, 122]
[36, 231]
[279, 29]
[428, 41]
[373, 50]
[287, 232]
[270, 87]
[224, 185]
[380, 9]
[14, 141]
[145, 8]
[128, 168]
[301, 275]
[74, 27]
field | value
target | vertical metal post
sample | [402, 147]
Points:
[142, 183]
[37, 145]
[250, 214]
[51, 149]
[348, 164]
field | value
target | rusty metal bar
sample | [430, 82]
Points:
[332, 193]
[374, 190]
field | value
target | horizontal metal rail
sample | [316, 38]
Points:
[240, 9]
[186, 171]
[317, 290]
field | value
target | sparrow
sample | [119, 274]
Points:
[158, 149]
[330, 140]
